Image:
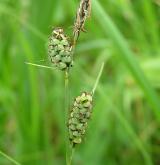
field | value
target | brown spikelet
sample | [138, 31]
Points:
[83, 13]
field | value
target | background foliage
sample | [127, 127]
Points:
[125, 125]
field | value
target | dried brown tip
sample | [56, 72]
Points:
[83, 13]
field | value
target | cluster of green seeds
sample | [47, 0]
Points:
[79, 116]
[60, 50]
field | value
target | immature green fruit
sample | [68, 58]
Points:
[60, 50]
[79, 116]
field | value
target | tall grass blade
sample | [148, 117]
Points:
[127, 56]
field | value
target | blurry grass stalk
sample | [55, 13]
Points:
[9, 158]
[30, 27]
[127, 56]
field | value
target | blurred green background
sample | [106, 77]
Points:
[125, 126]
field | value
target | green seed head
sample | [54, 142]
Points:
[60, 50]
[79, 116]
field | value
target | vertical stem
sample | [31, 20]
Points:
[68, 157]
[71, 155]
[69, 149]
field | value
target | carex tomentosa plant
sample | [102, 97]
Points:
[61, 52]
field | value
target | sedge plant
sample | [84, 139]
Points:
[122, 31]
[61, 53]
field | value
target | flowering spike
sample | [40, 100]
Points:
[60, 50]
[79, 116]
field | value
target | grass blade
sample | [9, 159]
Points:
[40, 66]
[127, 56]
[9, 158]
[98, 78]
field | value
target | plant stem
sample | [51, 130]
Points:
[9, 158]
[71, 155]
[68, 157]
[97, 79]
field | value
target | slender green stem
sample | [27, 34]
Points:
[71, 155]
[97, 79]
[68, 161]
[9, 158]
